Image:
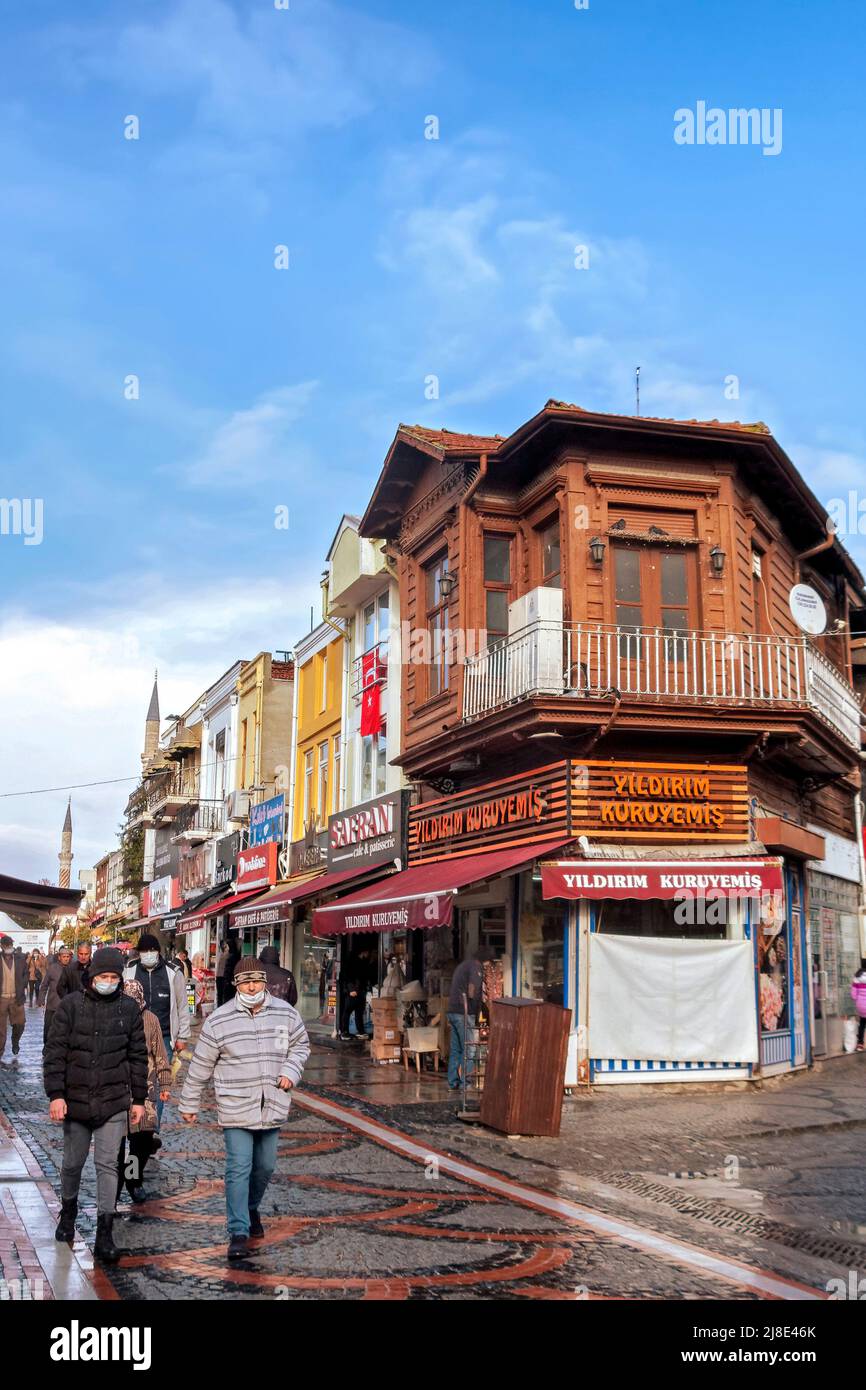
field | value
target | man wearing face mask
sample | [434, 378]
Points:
[72, 977]
[164, 987]
[255, 1048]
[13, 985]
[95, 1070]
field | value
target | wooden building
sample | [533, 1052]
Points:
[597, 614]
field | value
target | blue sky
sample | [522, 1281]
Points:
[408, 257]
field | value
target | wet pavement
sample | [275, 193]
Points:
[381, 1193]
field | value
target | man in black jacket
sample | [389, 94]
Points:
[13, 985]
[95, 1067]
[72, 977]
[281, 983]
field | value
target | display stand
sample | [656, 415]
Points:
[474, 1068]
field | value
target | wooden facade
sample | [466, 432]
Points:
[704, 529]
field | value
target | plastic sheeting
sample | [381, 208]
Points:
[655, 999]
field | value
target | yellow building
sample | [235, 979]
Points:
[320, 660]
[264, 725]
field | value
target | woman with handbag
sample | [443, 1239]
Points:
[142, 1137]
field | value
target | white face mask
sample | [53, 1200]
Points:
[250, 1001]
[102, 987]
[149, 959]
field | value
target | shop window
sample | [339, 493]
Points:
[551, 563]
[692, 919]
[497, 586]
[438, 676]
[542, 945]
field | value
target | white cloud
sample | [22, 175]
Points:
[76, 693]
[253, 443]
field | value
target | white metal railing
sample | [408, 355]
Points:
[376, 660]
[590, 659]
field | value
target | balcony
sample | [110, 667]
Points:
[195, 823]
[373, 662]
[167, 796]
[649, 666]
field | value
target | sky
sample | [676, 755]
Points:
[166, 386]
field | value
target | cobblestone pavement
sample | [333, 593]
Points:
[381, 1193]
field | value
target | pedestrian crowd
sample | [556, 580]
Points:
[114, 1033]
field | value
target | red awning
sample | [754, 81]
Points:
[287, 896]
[194, 919]
[424, 895]
[660, 878]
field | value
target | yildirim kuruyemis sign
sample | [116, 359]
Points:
[369, 834]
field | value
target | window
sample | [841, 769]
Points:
[654, 588]
[551, 567]
[497, 586]
[437, 627]
[322, 801]
[219, 779]
[374, 765]
[323, 700]
[243, 767]
[308, 786]
[381, 760]
[338, 753]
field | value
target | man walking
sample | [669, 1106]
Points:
[95, 1069]
[164, 987]
[72, 977]
[464, 1002]
[281, 983]
[255, 1048]
[13, 986]
[48, 989]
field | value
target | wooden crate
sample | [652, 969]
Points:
[525, 1074]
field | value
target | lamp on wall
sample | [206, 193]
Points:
[447, 584]
[717, 560]
[597, 549]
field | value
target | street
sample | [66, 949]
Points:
[380, 1193]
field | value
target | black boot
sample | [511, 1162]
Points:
[256, 1227]
[105, 1248]
[66, 1224]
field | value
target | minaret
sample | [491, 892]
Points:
[151, 724]
[65, 855]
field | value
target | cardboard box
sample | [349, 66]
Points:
[383, 1006]
[384, 1052]
[385, 1035]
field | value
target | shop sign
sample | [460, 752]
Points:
[517, 810]
[257, 868]
[659, 801]
[159, 899]
[369, 834]
[194, 869]
[166, 856]
[265, 916]
[226, 858]
[309, 853]
[591, 878]
[266, 821]
[394, 914]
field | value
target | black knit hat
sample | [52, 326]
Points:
[106, 961]
[146, 942]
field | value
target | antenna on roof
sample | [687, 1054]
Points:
[637, 390]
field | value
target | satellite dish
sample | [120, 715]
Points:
[807, 609]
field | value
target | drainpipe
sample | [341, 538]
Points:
[826, 544]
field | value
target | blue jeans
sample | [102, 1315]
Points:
[251, 1156]
[457, 1052]
[160, 1104]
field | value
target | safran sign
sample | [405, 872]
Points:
[372, 833]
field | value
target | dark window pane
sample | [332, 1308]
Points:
[434, 573]
[628, 615]
[675, 620]
[627, 575]
[674, 584]
[497, 611]
[550, 554]
[497, 560]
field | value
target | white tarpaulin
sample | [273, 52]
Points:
[672, 1001]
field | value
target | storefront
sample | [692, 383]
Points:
[832, 905]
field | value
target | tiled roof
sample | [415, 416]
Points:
[758, 427]
[448, 439]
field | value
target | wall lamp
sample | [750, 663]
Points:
[717, 560]
[447, 584]
[597, 549]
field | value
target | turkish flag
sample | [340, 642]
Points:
[371, 710]
[372, 668]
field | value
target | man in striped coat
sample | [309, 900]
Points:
[255, 1048]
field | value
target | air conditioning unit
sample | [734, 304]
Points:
[238, 805]
[535, 647]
